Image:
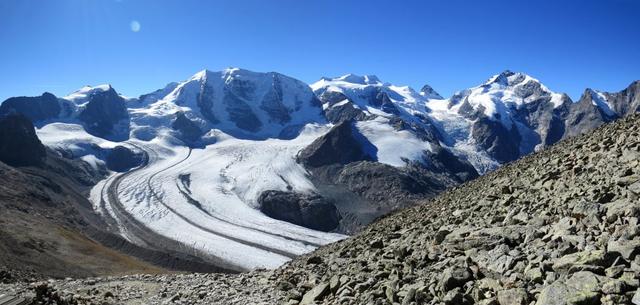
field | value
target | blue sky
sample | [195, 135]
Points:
[61, 45]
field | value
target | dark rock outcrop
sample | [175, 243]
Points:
[103, 112]
[626, 101]
[380, 182]
[584, 116]
[441, 160]
[239, 111]
[190, 132]
[339, 108]
[19, 145]
[501, 142]
[122, 159]
[429, 92]
[341, 145]
[308, 210]
[37, 108]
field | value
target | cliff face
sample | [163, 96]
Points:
[37, 108]
[19, 145]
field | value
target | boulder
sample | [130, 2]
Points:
[315, 294]
[514, 296]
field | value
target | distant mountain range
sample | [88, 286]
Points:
[214, 155]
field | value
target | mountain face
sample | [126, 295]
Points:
[101, 110]
[394, 151]
[245, 169]
[19, 145]
[511, 114]
[39, 108]
[104, 114]
[596, 108]
[241, 103]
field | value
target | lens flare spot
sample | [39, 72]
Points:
[135, 26]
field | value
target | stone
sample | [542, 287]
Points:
[453, 297]
[584, 298]
[636, 298]
[534, 275]
[595, 257]
[626, 248]
[614, 287]
[314, 260]
[455, 277]
[555, 294]
[584, 281]
[316, 294]
[441, 235]
[334, 283]
[514, 296]
[376, 244]
[621, 208]
[409, 297]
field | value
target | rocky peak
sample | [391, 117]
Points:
[244, 103]
[189, 130]
[37, 108]
[341, 145]
[508, 78]
[103, 111]
[19, 145]
[428, 92]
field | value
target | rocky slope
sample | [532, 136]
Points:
[557, 227]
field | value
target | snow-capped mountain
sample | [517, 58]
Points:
[243, 168]
[100, 109]
[241, 103]
[508, 116]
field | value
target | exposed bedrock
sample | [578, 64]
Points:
[308, 210]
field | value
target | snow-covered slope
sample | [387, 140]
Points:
[242, 103]
[510, 115]
[381, 105]
[370, 94]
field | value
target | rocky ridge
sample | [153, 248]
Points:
[557, 227]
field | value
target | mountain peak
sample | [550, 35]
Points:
[82, 94]
[508, 78]
[428, 92]
[357, 79]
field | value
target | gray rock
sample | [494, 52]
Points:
[636, 298]
[595, 257]
[315, 294]
[455, 277]
[514, 296]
